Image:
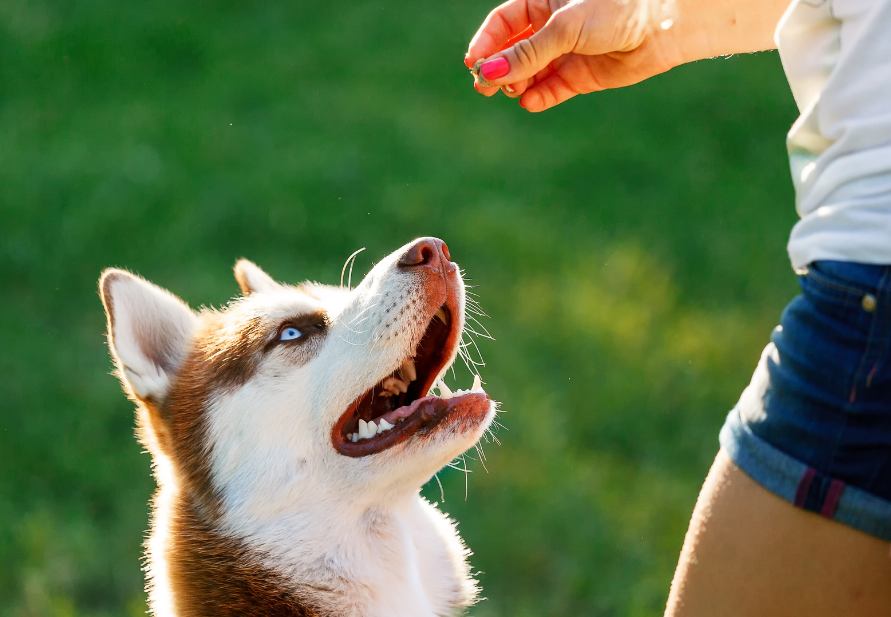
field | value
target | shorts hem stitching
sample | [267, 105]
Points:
[782, 475]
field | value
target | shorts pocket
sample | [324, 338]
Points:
[834, 295]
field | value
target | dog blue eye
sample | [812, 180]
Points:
[289, 334]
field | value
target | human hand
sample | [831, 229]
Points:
[547, 51]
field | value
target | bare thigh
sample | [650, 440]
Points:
[750, 553]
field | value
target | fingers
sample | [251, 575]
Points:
[513, 90]
[520, 87]
[489, 91]
[485, 91]
[516, 90]
[525, 34]
[571, 75]
[531, 55]
[504, 23]
[546, 94]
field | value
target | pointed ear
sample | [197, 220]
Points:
[252, 279]
[149, 331]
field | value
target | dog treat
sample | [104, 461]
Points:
[477, 76]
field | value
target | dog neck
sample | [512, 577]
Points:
[402, 560]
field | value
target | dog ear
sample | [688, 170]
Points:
[149, 330]
[252, 279]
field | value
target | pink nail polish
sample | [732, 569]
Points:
[493, 69]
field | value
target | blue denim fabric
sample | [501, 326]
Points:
[815, 424]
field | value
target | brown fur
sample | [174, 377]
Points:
[211, 574]
[216, 576]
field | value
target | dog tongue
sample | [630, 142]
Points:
[428, 405]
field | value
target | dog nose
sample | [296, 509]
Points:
[430, 252]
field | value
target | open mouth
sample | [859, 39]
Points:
[400, 405]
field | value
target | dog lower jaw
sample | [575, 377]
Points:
[424, 417]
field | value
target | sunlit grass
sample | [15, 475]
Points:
[628, 246]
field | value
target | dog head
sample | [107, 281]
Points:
[294, 395]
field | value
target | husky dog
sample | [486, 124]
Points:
[290, 434]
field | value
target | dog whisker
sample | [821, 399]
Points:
[363, 311]
[350, 261]
[441, 491]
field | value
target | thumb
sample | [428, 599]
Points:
[528, 56]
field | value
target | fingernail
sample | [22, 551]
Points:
[509, 88]
[493, 69]
[467, 61]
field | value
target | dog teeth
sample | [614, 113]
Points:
[442, 316]
[444, 392]
[369, 429]
[364, 430]
[394, 385]
[407, 371]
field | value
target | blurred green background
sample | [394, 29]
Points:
[629, 247]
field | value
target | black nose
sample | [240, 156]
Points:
[430, 252]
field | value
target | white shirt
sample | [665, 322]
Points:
[837, 58]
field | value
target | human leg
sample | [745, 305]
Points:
[750, 553]
[795, 516]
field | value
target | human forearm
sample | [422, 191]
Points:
[547, 51]
[709, 28]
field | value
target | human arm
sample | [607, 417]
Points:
[559, 48]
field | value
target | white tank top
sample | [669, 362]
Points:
[837, 58]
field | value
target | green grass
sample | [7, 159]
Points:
[629, 247]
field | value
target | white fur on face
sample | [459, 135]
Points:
[315, 514]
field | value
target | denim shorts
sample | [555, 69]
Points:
[814, 425]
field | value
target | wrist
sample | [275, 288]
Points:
[702, 29]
